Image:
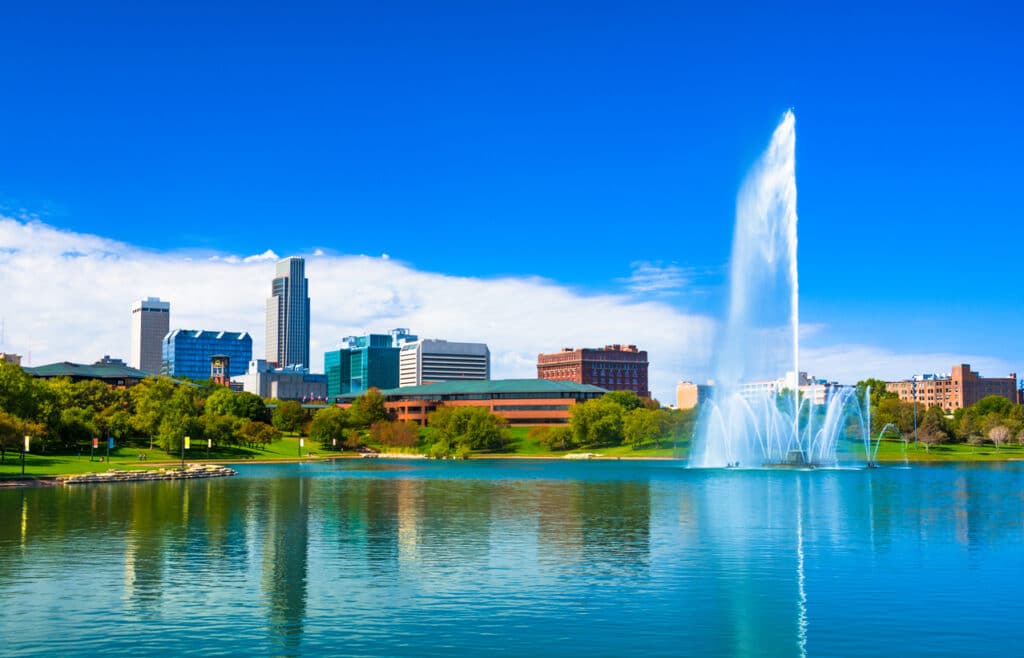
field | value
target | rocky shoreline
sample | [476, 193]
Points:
[192, 471]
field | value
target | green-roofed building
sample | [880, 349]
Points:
[522, 401]
[108, 371]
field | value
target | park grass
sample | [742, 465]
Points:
[895, 451]
[127, 458]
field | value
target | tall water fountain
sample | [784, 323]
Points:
[748, 425]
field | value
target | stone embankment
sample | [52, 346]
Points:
[191, 472]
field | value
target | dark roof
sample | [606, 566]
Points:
[488, 386]
[95, 371]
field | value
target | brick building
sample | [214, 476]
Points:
[613, 367]
[961, 388]
[523, 402]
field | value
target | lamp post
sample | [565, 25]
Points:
[913, 391]
[302, 442]
[27, 439]
[184, 446]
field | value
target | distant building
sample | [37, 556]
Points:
[151, 320]
[108, 360]
[614, 367]
[429, 361]
[690, 395]
[288, 315]
[291, 383]
[818, 390]
[187, 352]
[120, 376]
[961, 388]
[364, 362]
[10, 358]
[523, 402]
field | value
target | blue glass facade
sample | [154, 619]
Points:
[187, 352]
[365, 362]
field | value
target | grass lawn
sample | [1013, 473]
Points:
[523, 446]
[127, 457]
[894, 451]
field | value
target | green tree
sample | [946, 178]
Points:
[554, 438]
[933, 429]
[220, 429]
[878, 391]
[597, 422]
[369, 408]
[19, 391]
[13, 431]
[642, 426]
[250, 406]
[328, 424]
[628, 400]
[474, 428]
[394, 433]
[257, 433]
[150, 398]
[77, 426]
[288, 416]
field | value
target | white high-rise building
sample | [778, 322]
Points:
[151, 320]
[288, 315]
[427, 361]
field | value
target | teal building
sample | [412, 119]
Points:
[364, 362]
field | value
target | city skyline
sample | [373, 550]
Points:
[515, 149]
[517, 317]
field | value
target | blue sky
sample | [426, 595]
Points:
[568, 141]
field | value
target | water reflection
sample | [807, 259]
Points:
[541, 558]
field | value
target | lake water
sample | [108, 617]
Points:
[520, 558]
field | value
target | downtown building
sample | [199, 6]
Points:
[961, 388]
[613, 367]
[189, 352]
[365, 362]
[429, 361]
[288, 383]
[151, 320]
[288, 315]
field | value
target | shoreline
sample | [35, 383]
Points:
[57, 479]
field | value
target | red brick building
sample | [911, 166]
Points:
[962, 388]
[613, 367]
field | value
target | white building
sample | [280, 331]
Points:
[151, 321]
[816, 389]
[427, 361]
[288, 315]
[291, 383]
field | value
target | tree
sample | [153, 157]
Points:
[641, 426]
[393, 433]
[77, 426]
[597, 422]
[933, 429]
[878, 391]
[220, 429]
[225, 402]
[13, 431]
[628, 400]
[354, 439]
[474, 428]
[555, 438]
[999, 435]
[368, 408]
[288, 416]
[328, 424]
[150, 398]
[221, 402]
[19, 391]
[258, 433]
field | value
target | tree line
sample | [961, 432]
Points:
[993, 419]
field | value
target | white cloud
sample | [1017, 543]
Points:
[656, 278]
[66, 296]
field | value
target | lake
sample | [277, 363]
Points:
[520, 558]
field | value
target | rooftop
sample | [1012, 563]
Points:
[489, 386]
[94, 371]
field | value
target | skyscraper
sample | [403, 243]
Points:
[151, 320]
[427, 361]
[288, 315]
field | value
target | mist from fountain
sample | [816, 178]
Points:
[748, 426]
